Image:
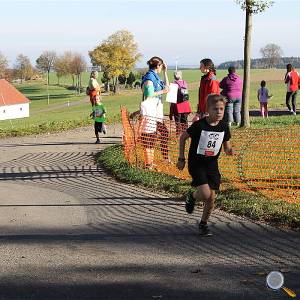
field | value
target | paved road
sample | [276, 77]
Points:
[69, 231]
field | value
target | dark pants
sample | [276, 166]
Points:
[291, 96]
[163, 137]
[181, 122]
[98, 128]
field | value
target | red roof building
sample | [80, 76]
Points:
[9, 95]
[13, 104]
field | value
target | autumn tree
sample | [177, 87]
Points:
[68, 58]
[250, 7]
[272, 54]
[78, 65]
[106, 80]
[45, 62]
[3, 65]
[116, 55]
[60, 68]
[23, 67]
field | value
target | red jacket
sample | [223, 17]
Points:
[293, 80]
[208, 85]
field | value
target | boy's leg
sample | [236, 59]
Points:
[96, 127]
[206, 194]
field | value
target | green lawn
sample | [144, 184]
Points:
[44, 116]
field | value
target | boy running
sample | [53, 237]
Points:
[207, 136]
[98, 114]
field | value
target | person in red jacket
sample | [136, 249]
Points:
[292, 81]
[208, 84]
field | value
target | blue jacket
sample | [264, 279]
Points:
[152, 76]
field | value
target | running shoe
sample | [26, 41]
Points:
[190, 202]
[204, 231]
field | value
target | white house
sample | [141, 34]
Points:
[13, 104]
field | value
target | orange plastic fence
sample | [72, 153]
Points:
[266, 161]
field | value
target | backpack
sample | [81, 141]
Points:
[87, 90]
[183, 93]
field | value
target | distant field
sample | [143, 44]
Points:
[273, 77]
[44, 115]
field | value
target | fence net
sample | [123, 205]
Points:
[266, 161]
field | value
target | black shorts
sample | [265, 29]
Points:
[205, 175]
[98, 127]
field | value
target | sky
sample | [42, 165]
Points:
[184, 31]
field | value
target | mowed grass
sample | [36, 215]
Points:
[45, 117]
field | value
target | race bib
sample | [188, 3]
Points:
[98, 112]
[210, 143]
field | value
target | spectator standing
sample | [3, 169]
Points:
[182, 108]
[208, 85]
[94, 87]
[263, 97]
[152, 126]
[292, 81]
[232, 87]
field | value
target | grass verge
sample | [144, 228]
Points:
[256, 207]
[44, 127]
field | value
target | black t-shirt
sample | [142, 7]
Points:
[206, 142]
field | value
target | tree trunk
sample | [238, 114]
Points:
[247, 64]
[48, 77]
[79, 83]
[116, 85]
[107, 86]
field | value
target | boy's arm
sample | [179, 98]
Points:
[181, 159]
[258, 95]
[228, 148]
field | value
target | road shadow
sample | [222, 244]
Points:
[59, 143]
[275, 113]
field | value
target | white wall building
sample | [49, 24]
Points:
[13, 104]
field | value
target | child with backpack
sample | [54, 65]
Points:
[182, 108]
